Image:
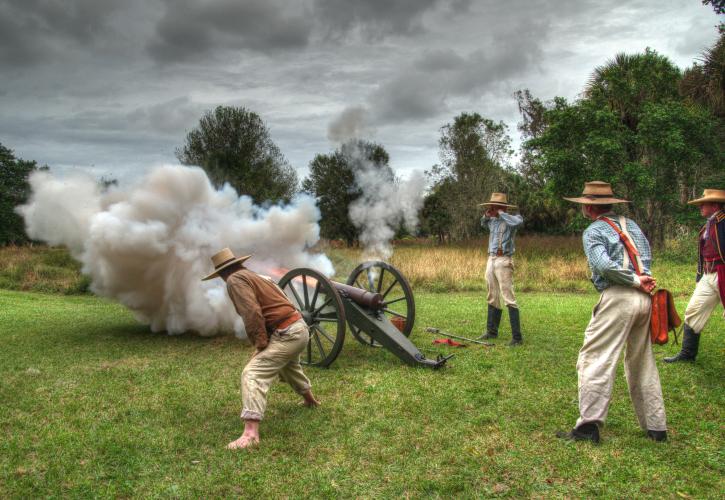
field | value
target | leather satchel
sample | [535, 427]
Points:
[664, 317]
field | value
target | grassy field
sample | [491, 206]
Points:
[94, 404]
[543, 264]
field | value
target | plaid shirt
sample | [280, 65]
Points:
[503, 229]
[605, 253]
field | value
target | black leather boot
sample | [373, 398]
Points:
[690, 345]
[585, 432]
[493, 319]
[515, 326]
[657, 435]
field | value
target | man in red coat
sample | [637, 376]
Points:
[710, 289]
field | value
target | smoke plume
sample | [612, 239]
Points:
[148, 246]
[352, 123]
[385, 204]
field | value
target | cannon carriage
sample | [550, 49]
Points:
[376, 303]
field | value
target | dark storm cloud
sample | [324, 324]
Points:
[78, 83]
[189, 29]
[35, 30]
[421, 90]
[376, 18]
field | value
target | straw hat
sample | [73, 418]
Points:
[222, 260]
[597, 193]
[710, 196]
[497, 199]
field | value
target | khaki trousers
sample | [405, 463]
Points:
[281, 358]
[500, 281]
[703, 302]
[620, 319]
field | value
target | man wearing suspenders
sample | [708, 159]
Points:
[500, 266]
[710, 287]
[620, 319]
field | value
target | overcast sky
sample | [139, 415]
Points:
[113, 86]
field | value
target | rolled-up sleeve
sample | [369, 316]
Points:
[247, 306]
[511, 220]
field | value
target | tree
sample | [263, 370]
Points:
[332, 182]
[719, 7]
[625, 83]
[528, 187]
[633, 130]
[233, 145]
[435, 219]
[14, 191]
[704, 83]
[474, 152]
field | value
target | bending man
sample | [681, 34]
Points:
[277, 331]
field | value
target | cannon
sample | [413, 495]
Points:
[376, 303]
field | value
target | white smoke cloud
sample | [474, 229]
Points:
[149, 246]
[352, 123]
[385, 203]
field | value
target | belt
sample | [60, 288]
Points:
[288, 321]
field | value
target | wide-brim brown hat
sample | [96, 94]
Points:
[597, 193]
[497, 199]
[222, 260]
[710, 196]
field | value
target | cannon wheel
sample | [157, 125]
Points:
[322, 309]
[380, 277]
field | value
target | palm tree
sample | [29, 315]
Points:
[627, 82]
[704, 83]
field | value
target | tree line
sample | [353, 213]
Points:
[653, 131]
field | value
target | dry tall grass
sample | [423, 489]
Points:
[40, 269]
[542, 263]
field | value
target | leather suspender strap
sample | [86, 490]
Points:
[628, 245]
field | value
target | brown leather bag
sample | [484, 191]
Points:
[664, 314]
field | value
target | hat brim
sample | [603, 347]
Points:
[489, 203]
[238, 260]
[706, 199]
[596, 201]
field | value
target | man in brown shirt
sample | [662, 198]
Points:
[278, 332]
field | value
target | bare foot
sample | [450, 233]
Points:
[244, 441]
[309, 400]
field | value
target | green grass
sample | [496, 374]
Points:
[94, 404]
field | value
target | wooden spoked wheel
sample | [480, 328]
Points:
[399, 305]
[321, 306]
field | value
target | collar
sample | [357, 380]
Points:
[608, 215]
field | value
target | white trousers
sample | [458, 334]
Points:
[703, 302]
[280, 359]
[620, 319]
[500, 281]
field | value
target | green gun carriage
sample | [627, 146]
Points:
[376, 303]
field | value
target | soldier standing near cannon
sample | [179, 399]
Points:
[620, 318]
[500, 266]
[278, 332]
[710, 287]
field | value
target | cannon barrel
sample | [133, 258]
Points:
[381, 314]
[361, 297]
